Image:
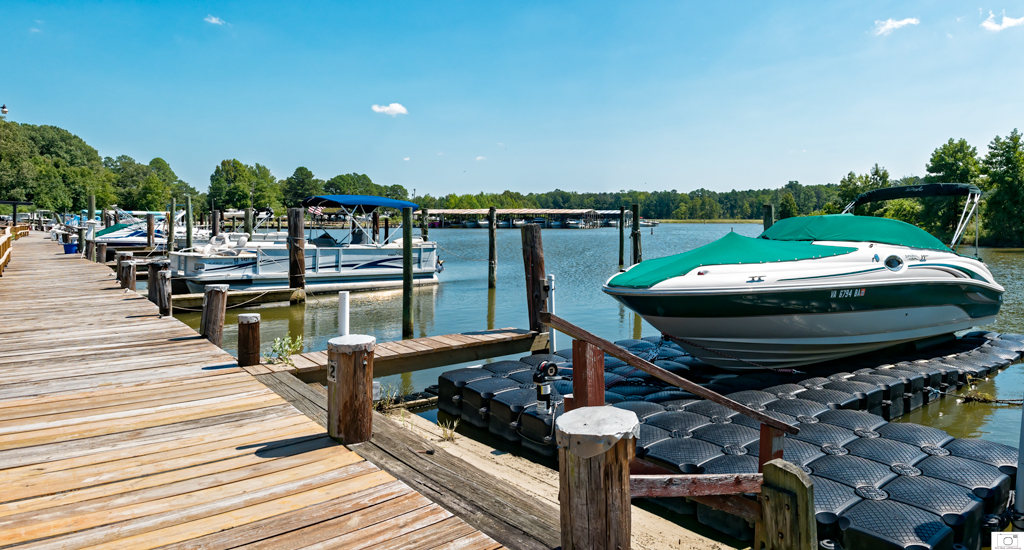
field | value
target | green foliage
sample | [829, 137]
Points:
[788, 207]
[299, 185]
[1003, 167]
[283, 349]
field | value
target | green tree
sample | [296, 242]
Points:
[1003, 167]
[230, 185]
[299, 185]
[788, 207]
[953, 162]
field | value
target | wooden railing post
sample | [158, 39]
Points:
[296, 249]
[350, 388]
[595, 446]
[248, 339]
[150, 230]
[81, 241]
[215, 304]
[536, 289]
[407, 329]
[787, 509]
[129, 275]
[492, 248]
[101, 253]
[587, 376]
[163, 292]
[770, 446]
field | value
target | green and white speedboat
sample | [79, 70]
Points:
[812, 289]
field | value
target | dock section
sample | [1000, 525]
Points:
[119, 428]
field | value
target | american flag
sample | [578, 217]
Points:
[316, 210]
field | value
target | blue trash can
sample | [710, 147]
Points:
[71, 248]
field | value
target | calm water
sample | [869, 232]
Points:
[581, 261]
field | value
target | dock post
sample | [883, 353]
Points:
[1018, 503]
[90, 250]
[536, 289]
[622, 235]
[101, 253]
[170, 226]
[163, 292]
[588, 376]
[128, 281]
[92, 207]
[407, 330]
[81, 241]
[343, 307]
[595, 446]
[787, 509]
[375, 220]
[350, 388]
[103, 214]
[424, 224]
[215, 304]
[188, 222]
[152, 286]
[296, 249]
[150, 230]
[387, 229]
[215, 223]
[769, 215]
[550, 280]
[492, 249]
[247, 222]
[122, 257]
[635, 236]
[248, 339]
[279, 218]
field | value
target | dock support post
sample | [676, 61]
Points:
[536, 289]
[407, 272]
[150, 230]
[153, 270]
[424, 224]
[550, 280]
[247, 223]
[387, 229]
[92, 207]
[768, 215]
[595, 446]
[248, 339]
[375, 230]
[343, 307]
[296, 249]
[163, 292]
[492, 249]
[170, 226]
[350, 388]
[215, 223]
[101, 253]
[128, 281]
[103, 214]
[90, 251]
[81, 241]
[787, 509]
[122, 257]
[622, 235]
[188, 222]
[588, 376]
[635, 236]
[215, 304]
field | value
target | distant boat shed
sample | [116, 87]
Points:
[575, 218]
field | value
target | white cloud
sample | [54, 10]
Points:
[889, 25]
[393, 109]
[440, 154]
[949, 35]
[481, 158]
[34, 30]
[39, 21]
[214, 20]
[406, 158]
[991, 25]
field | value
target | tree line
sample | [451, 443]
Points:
[57, 170]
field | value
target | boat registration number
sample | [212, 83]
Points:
[849, 293]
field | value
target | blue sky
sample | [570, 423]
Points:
[586, 96]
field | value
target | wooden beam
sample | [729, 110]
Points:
[736, 505]
[651, 486]
[566, 327]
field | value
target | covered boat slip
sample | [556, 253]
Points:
[121, 429]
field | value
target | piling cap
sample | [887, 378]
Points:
[352, 343]
[590, 431]
[248, 318]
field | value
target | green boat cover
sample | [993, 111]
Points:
[111, 229]
[847, 227]
[730, 249]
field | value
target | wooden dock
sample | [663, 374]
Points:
[121, 429]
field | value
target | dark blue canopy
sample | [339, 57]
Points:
[351, 201]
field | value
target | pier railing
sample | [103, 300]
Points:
[5, 248]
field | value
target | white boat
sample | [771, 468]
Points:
[356, 260]
[518, 223]
[556, 224]
[649, 223]
[131, 231]
[575, 224]
[483, 222]
[504, 224]
[812, 289]
[611, 222]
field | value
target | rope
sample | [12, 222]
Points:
[230, 307]
[458, 255]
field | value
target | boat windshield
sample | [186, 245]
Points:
[850, 228]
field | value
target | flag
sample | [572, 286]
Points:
[316, 210]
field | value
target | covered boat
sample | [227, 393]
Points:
[812, 289]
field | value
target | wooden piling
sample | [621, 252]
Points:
[350, 388]
[122, 257]
[81, 241]
[247, 222]
[150, 230]
[215, 223]
[407, 330]
[90, 250]
[248, 339]
[170, 226]
[622, 235]
[296, 249]
[375, 217]
[215, 302]
[101, 253]
[106, 219]
[588, 376]
[279, 218]
[768, 215]
[787, 509]
[387, 229]
[492, 249]
[424, 224]
[163, 292]
[153, 270]
[188, 222]
[635, 236]
[593, 475]
[92, 207]
[536, 288]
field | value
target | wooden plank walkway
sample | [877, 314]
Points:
[121, 429]
[425, 353]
